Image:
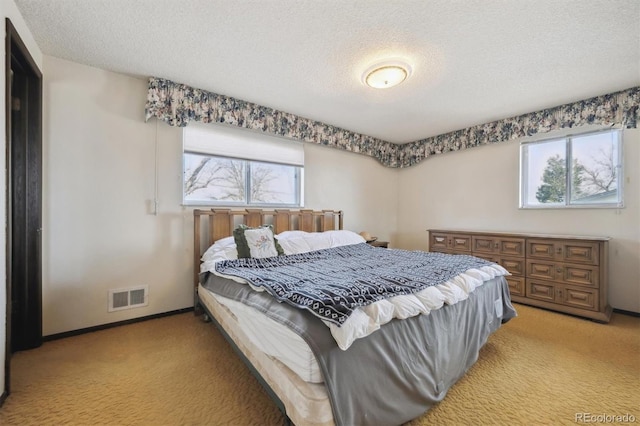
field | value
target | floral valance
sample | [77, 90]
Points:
[178, 104]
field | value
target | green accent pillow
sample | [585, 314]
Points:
[256, 242]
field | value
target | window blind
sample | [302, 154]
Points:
[225, 141]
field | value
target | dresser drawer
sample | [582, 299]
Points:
[583, 275]
[541, 249]
[541, 270]
[483, 244]
[580, 275]
[514, 265]
[503, 246]
[516, 286]
[444, 242]
[580, 252]
[511, 247]
[438, 242]
[541, 290]
[583, 252]
[460, 242]
[582, 298]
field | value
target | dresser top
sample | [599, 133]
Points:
[520, 234]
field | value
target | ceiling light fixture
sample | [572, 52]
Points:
[386, 74]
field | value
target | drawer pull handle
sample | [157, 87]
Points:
[496, 245]
[559, 250]
[459, 241]
[439, 239]
[558, 269]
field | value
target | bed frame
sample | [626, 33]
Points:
[214, 224]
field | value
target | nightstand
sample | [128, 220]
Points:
[376, 243]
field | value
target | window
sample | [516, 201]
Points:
[235, 167]
[594, 162]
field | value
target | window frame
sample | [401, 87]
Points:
[298, 179]
[524, 173]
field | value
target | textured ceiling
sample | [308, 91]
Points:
[473, 61]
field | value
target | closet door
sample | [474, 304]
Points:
[24, 195]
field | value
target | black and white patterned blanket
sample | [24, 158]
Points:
[331, 283]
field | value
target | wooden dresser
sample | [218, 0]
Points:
[558, 272]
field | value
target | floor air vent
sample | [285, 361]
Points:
[128, 298]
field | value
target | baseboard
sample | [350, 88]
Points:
[166, 314]
[3, 397]
[630, 313]
[112, 324]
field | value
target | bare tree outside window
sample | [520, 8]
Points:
[602, 175]
[273, 183]
[218, 180]
[213, 178]
[261, 176]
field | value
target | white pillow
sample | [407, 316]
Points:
[294, 245]
[344, 238]
[295, 242]
[319, 241]
[220, 245]
[208, 264]
[291, 234]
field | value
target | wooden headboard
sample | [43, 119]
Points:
[222, 222]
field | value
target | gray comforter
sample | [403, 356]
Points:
[400, 371]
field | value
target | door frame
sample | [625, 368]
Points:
[15, 45]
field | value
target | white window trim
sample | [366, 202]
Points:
[566, 205]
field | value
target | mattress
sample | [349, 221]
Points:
[274, 339]
[305, 403]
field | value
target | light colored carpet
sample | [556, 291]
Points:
[540, 368]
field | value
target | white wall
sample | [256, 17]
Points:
[8, 9]
[99, 230]
[477, 189]
[100, 233]
[365, 190]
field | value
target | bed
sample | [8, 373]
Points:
[321, 372]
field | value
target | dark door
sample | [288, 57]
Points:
[26, 172]
[24, 198]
